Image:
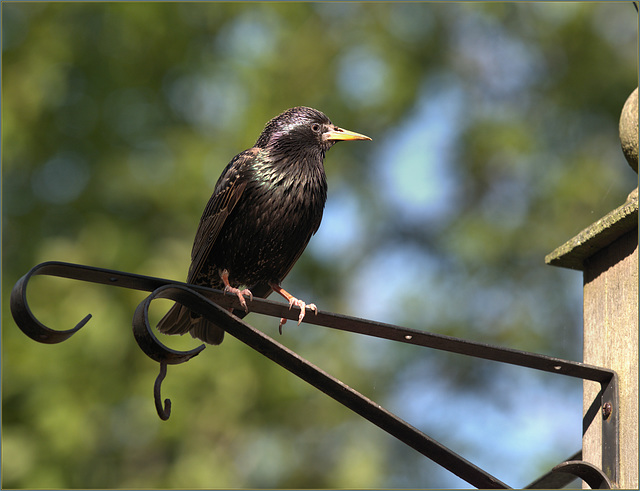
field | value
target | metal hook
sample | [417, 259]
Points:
[157, 351]
[163, 411]
[25, 319]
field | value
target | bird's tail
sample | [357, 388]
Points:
[180, 320]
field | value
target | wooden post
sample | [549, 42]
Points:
[607, 253]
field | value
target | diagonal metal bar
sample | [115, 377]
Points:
[321, 380]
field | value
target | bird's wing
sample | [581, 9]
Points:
[225, 196]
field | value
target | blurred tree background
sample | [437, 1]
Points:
[495, 140]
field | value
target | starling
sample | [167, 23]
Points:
[265, 207]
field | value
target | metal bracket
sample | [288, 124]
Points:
[610, 428]
[214, 305]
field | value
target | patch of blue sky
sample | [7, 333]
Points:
[500, 64]
[414, 170]
[391, 279]
[251, 37]
[509, 435]
[210, 100]
[342, 231]
[363, 77]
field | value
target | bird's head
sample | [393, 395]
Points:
[302, 129]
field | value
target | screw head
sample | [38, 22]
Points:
[607, 409]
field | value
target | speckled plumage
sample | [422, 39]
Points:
[265, 207]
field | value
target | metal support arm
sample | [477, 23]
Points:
[214, 305]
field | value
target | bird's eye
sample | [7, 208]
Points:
[315, 127]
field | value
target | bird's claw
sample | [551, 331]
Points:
[303, 306]
[240, 294]
[303, 310]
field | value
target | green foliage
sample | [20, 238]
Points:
[117, 120]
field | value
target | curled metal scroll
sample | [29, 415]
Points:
[152, 346]
[25, 319]
[589, 473]
[148, 342]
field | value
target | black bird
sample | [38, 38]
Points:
[265, 207]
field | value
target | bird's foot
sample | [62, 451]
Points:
[240, 294]
[292, 301]
[303, 310]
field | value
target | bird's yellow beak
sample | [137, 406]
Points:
[337, 134]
